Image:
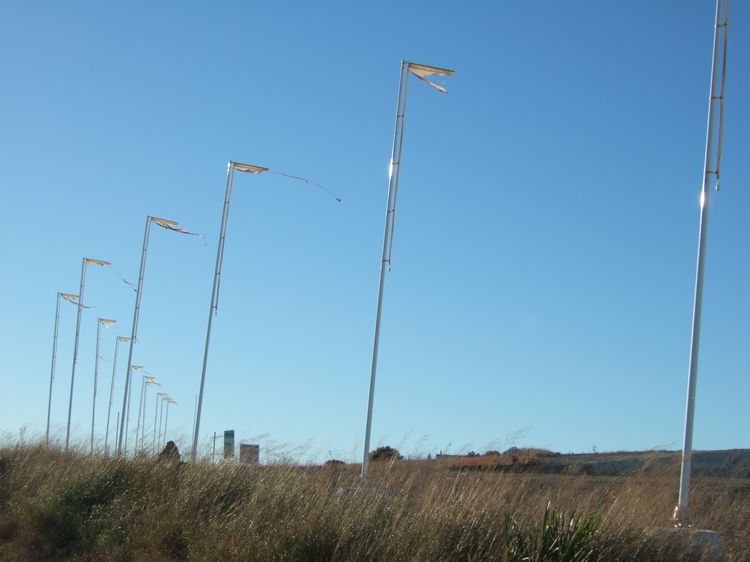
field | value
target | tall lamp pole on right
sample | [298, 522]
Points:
[711, 173]
[423, 73]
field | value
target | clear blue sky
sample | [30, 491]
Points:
[541, 289]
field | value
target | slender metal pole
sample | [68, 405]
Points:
[161, 417]
[680, 513]
[143, 425]
[143, 416]
[141, 419]
[96, 376]
[134, 335]
[163, 428]
[75, 351]
[213, 449]
[214, 301]
[129, 395]
[111, 395]
[140, 408]
[166, 421]
[117, 423]
[195, 412]
[156, 417]
[52, 369]
[393, 176]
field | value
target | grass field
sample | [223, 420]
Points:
[57, 506]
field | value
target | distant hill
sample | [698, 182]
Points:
[732, 463]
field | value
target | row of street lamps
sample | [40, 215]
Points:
[104, 322]
[148, 380]
[425, 74]
[407, 68]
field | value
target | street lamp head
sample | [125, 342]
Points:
[423, 70]
[91, 261]
[249, 168]
[124, 340]
[106, 322]
[164, 222]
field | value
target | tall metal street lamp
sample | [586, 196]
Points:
[422, 72]
[105, 323]
[158, 404]
[73, 299]
[232, 167]
[169, 401]
[149, 381]
[120, 339]
[86, 262]
[139, 422]
[128, 396]
[711, 172]
[167, 225]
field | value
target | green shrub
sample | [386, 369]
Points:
[560, 538]
[385, 454]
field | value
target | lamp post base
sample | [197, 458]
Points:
[686, 543]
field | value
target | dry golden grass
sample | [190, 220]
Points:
[68, 506]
